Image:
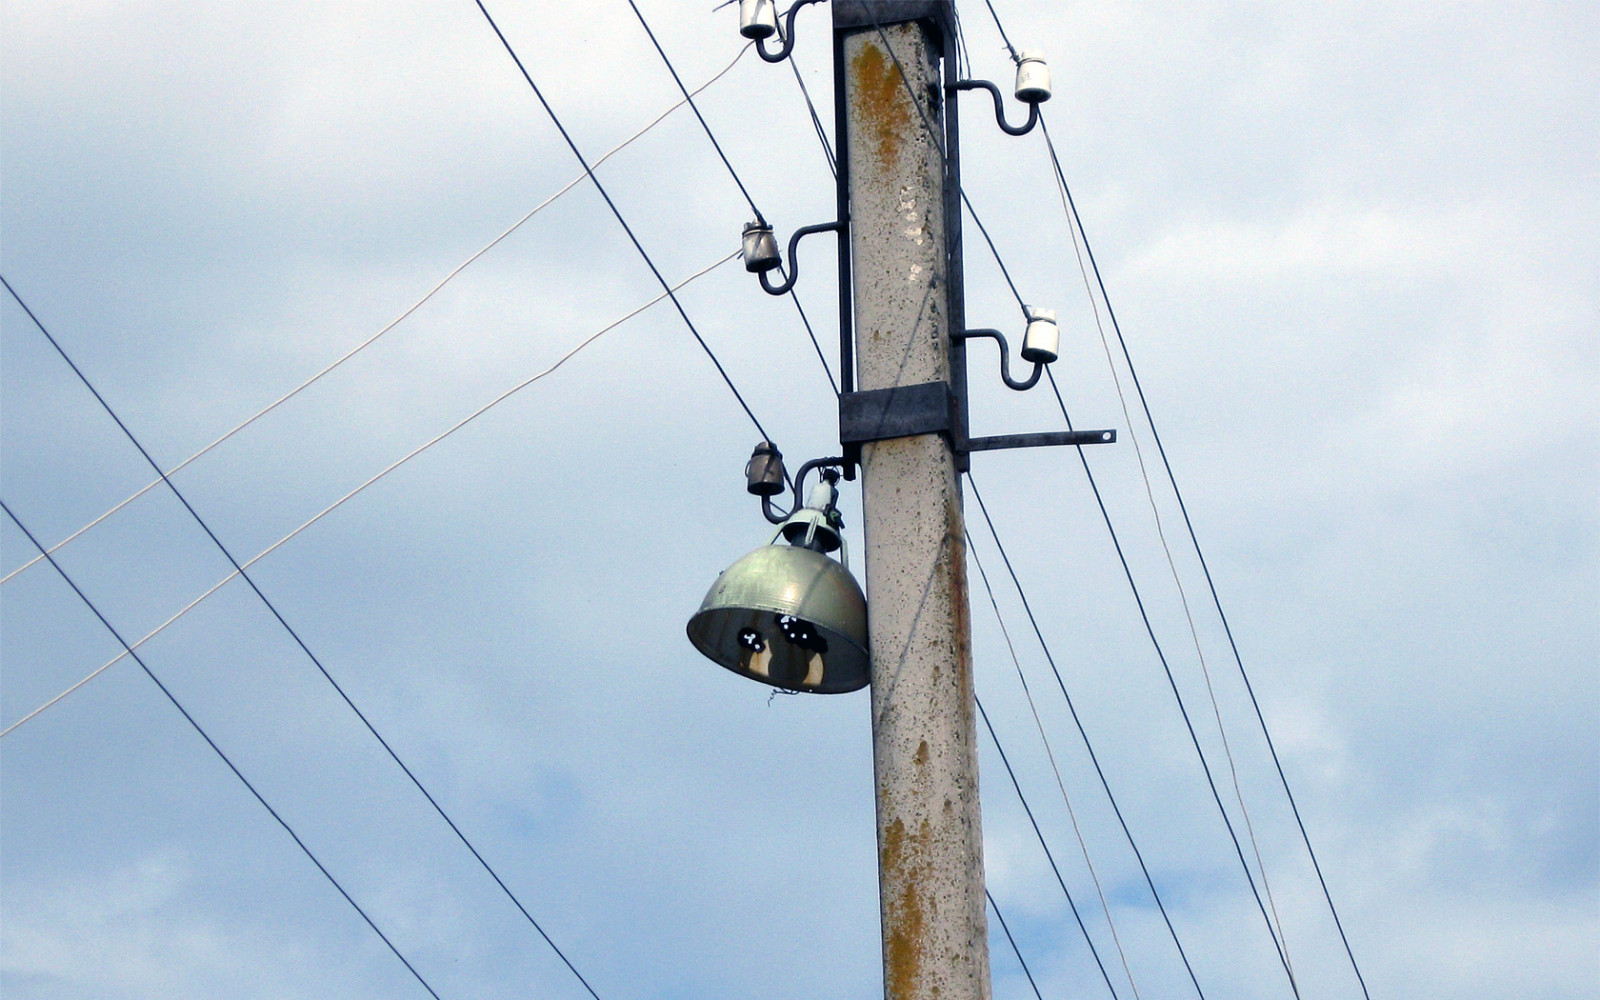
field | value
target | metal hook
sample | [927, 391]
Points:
[1005, 359]
[1000, 107]
[794, 261]
[787, 36]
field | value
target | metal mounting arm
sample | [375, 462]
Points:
[794, 262]
[775, 516]
[787, 36]
[1000, 107]
[1005, 359]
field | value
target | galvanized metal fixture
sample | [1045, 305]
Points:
[787, 614]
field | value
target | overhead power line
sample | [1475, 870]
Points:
[219, 752]
[326, 370]
[1083, 733]
[649, 262]
[480, 411]
[1075, 220]
[1172, 564]
[1012, 774]
[1066, 800]
[239, 570]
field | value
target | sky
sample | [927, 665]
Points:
[1352, 249]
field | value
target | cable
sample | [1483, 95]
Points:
[1088, 745]
[218, 750]
[1040, 834]
[348, 496]
[374, 338]
[1172, 566]
[692, 106]
[1072, 814]
[816, 121]
[1002, 29]
[239, 570]
[589, 172]
[737, 180]
[1205, 567]
[1172, 682]
[1013, 942]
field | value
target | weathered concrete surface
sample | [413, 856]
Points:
[930, 843]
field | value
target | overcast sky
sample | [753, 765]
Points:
[1354, 252]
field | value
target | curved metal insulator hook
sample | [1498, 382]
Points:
[1000, 107]
[787, 35]
[794, 261]
[1005, 360]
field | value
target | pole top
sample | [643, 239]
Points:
[867, 13]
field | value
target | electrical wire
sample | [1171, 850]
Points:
[738, 181]
[218, 750]
[1066, 800]
[1075, 221]
[1048, 855]
[1183, 709]
[816, 120]
[1013, 942]
[390, 326]
[1094, 758]
[649, 262]
[239, 570]
[361, 488]
[1172, 565]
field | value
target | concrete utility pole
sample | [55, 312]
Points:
[930, 843]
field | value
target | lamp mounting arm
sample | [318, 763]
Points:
[794, 261]
[787, 35]
[1000, 107]
[1005, 359]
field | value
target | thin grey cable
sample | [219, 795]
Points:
[1206, 569]
[1013, 942]
[1177, 695]
[240, 570]
[692, 107]
[218, 751]
[352, 352]
[1177, 580]
[385, 471]
[1072, 814]
[1088, 744]
[1042, 843]
[737, 180]
[650, 263]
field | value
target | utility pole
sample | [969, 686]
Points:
[905, 266]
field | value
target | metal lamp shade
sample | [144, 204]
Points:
[789, 617]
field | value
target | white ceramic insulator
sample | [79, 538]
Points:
[1042, 343]
[758, 18]
[1033, 78]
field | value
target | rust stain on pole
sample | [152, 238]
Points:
[881, 102]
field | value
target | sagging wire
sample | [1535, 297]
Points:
[327, 369]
